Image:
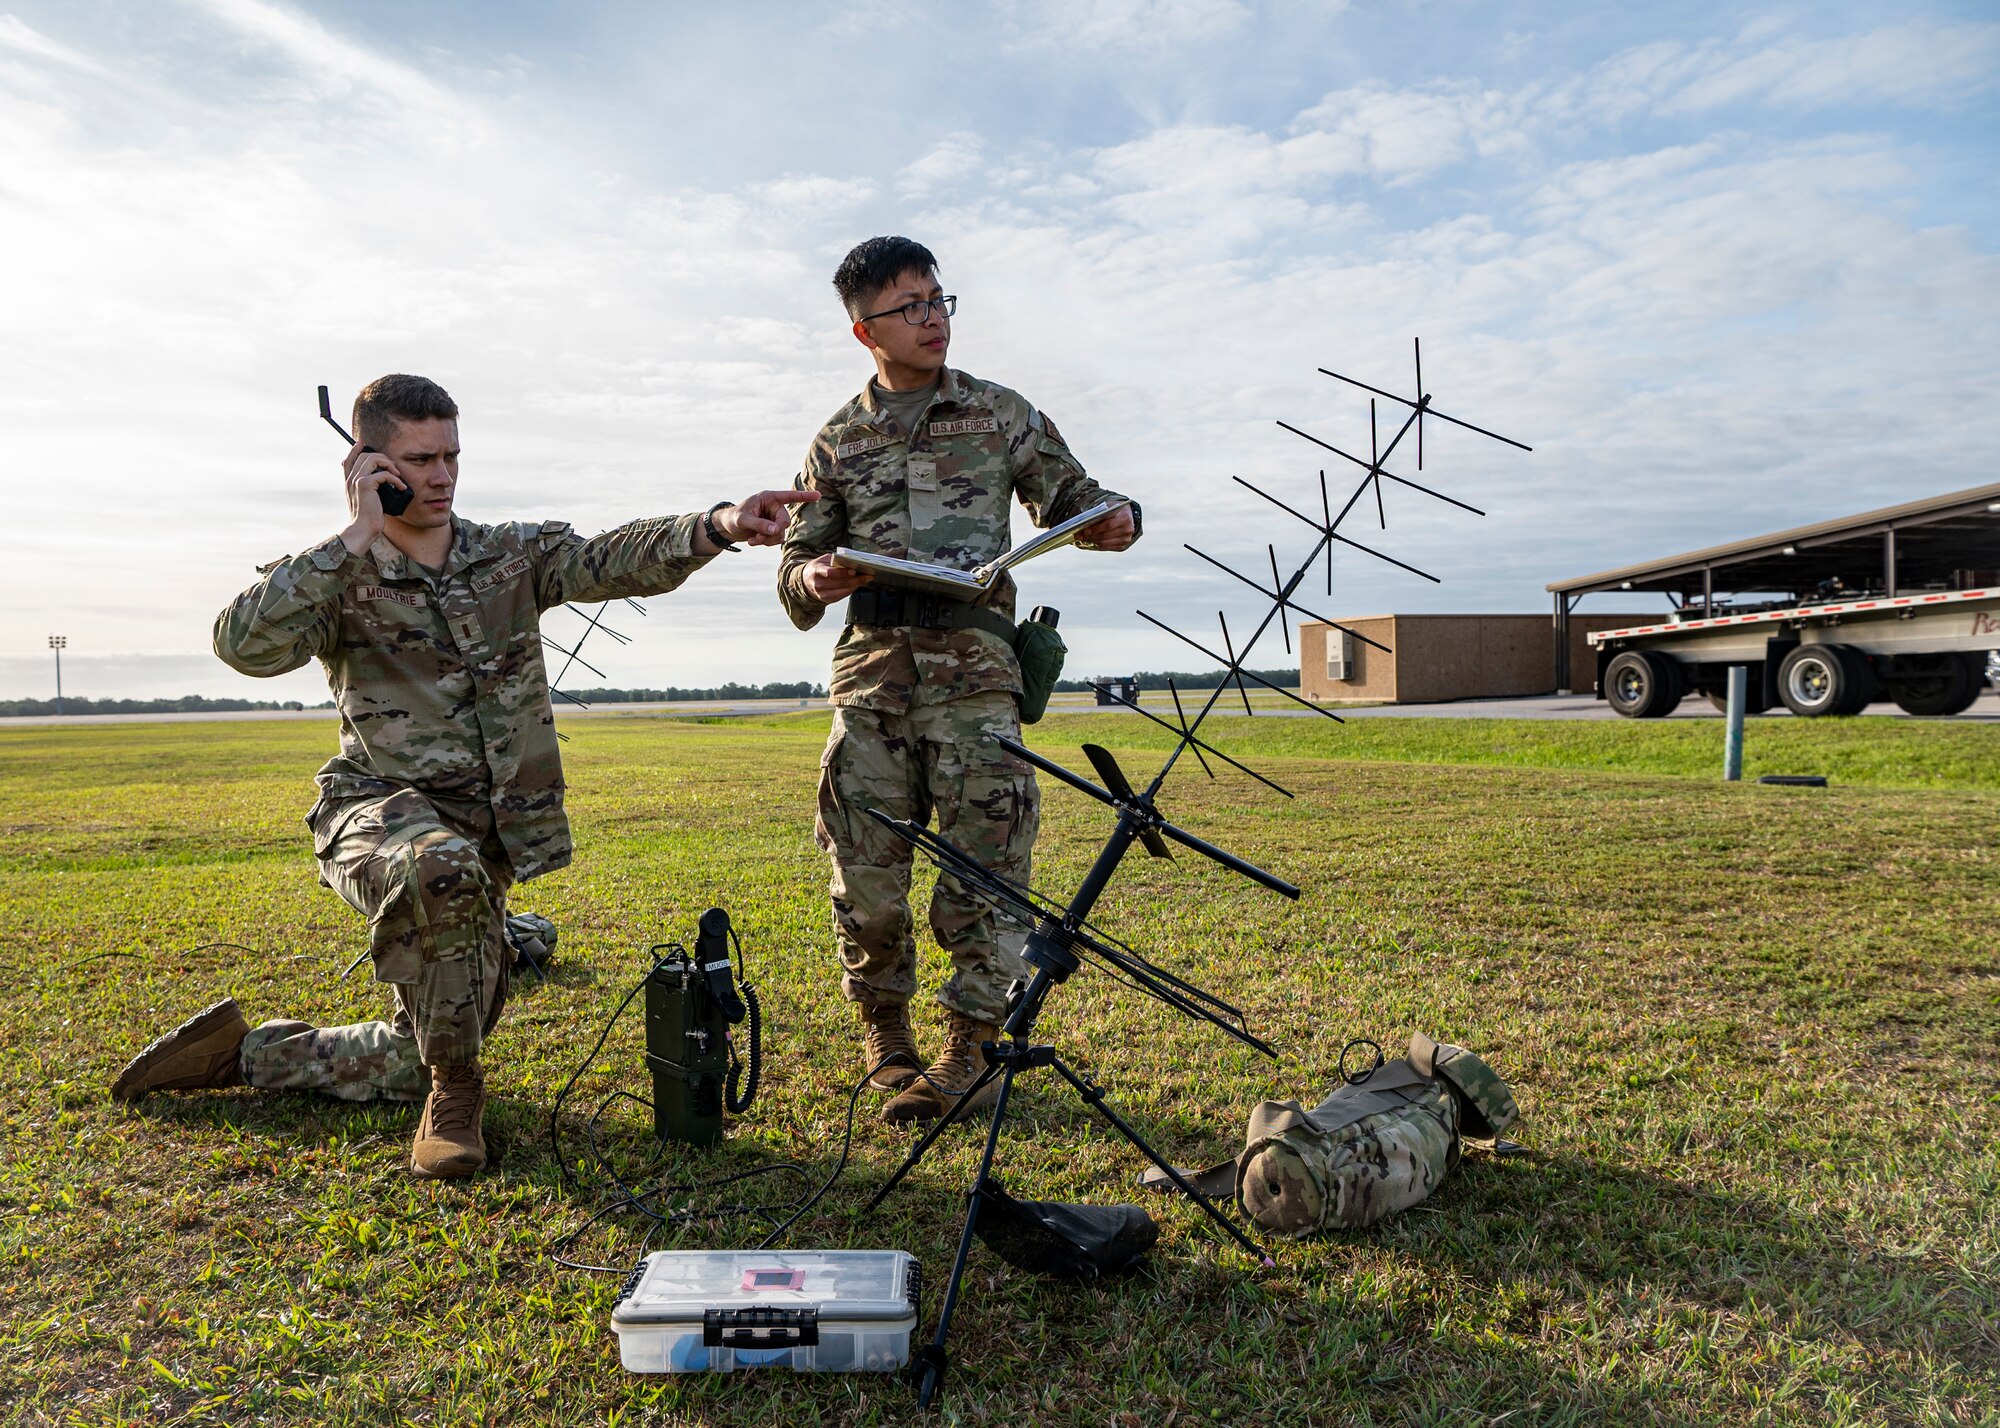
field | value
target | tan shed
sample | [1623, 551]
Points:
[1433, 658]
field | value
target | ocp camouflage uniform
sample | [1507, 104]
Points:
[917, 710]
[448, 786]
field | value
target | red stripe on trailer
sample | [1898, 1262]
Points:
[1802, 612]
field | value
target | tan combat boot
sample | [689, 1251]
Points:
[931, 1094]
[886, 1036]
[450, 1144]
[198, 1054]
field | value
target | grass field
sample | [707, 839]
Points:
[1755, 1033]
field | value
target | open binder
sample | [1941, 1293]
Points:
[971, 584]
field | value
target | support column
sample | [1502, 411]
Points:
[1889, 560]
[1562, 643]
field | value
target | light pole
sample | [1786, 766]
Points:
[58, 643]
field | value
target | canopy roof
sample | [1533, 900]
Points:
[1934, 539]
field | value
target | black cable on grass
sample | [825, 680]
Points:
[636, 1201]
[50, 976]
[846, 1145]
[98, 957]
[235, 946]
[555, 1110]
[184, 952]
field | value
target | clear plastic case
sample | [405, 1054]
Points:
[815, 1311]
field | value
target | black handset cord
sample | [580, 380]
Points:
[738, 1105]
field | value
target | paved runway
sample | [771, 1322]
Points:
[1546, 706]
[1557, 707]
[689, 708]
[1588, 706]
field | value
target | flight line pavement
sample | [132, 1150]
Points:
[1542, 706]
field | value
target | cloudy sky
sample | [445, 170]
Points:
[1724, 267]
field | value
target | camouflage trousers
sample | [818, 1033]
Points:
[431, 877]
[935, 759]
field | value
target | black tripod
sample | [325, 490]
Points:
[1055, 949]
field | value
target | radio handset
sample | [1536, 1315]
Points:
[711, 951]
[395, 499]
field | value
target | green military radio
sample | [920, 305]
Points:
[691, 1004]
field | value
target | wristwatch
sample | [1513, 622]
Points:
[715, 537]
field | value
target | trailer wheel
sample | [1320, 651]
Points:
[1817, 680]
[1865, 687]
[1643, 684]
[1949, 688]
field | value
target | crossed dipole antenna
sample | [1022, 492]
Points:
[1068, 925]
[593, 621]
[1282, 591]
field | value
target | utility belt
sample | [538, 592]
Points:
[919, 610]
[1034, 641]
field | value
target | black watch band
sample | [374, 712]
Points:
[715, 537]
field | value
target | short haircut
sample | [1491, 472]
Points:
[395, 398]
[875, 264]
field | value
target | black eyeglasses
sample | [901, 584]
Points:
[916, 313]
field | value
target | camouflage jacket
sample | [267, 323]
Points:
[440, 681]
[939, 493]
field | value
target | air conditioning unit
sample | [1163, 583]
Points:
[1339, 655]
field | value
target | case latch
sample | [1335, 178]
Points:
[760, 1328]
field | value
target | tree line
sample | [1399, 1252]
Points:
[799, 689]
[802, 689]
[186, 704]
[198, 704]
[1157, 679]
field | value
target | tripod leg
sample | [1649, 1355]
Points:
[1094, 1098]
[938, 1127]
[932, 1360]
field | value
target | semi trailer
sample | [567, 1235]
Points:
[1901, 603]
[1925, 652]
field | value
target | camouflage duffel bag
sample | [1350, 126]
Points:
[1376, 1146]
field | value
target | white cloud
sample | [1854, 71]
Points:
[1405, 133]
[1919, 63]
[1155, 25]
[17, 36]
[809, 194]
[949, 161]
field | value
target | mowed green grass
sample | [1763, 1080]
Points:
[1755, 1033]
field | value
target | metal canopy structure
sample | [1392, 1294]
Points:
[1927, 544]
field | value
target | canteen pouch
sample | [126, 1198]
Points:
[1040, 651]
[1370, 1149]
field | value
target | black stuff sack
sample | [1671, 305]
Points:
[1063, 1241]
